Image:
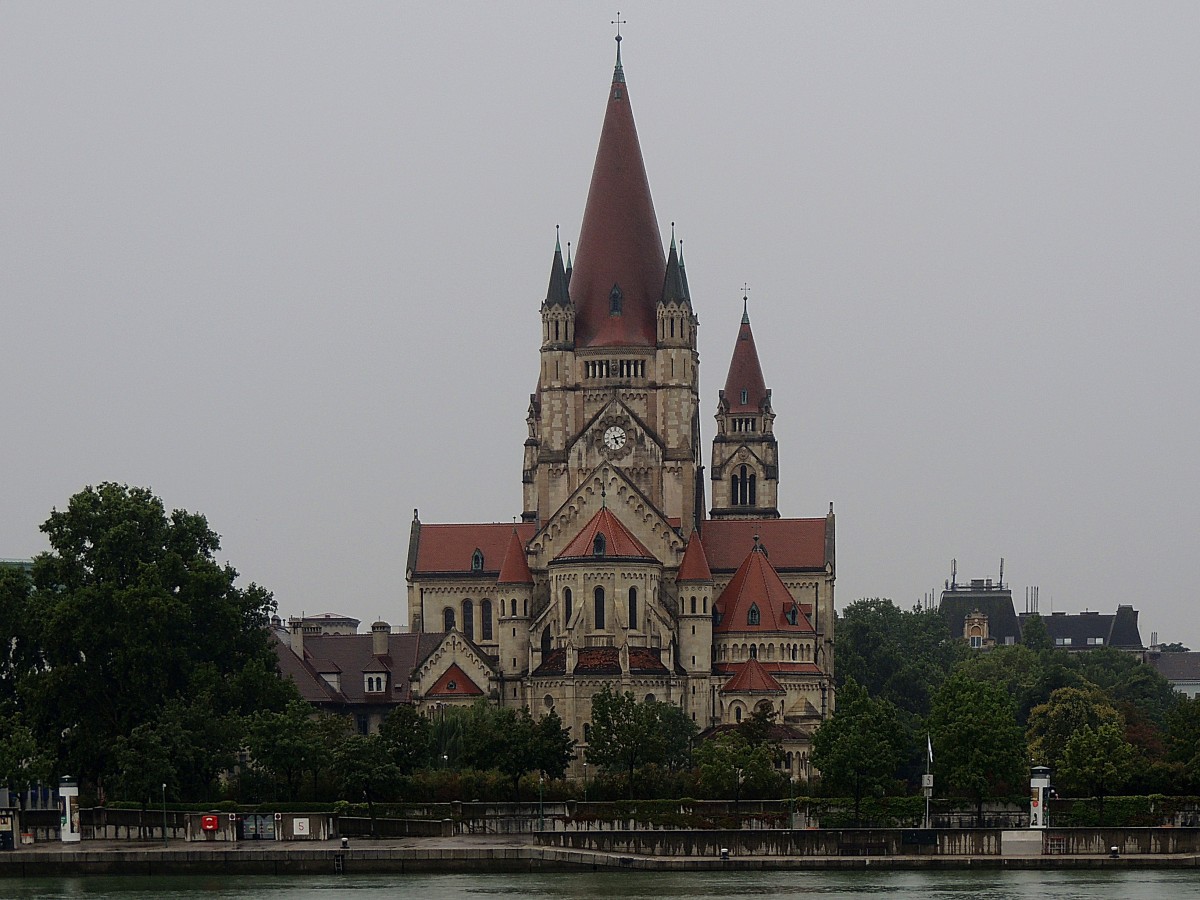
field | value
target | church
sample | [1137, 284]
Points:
[620, 574]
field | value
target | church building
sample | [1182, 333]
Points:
[619, 573]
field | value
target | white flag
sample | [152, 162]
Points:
[929, 741]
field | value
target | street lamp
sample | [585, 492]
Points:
[585, 781]
[164, 792]
[541, 804]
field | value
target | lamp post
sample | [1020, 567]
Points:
[164, 793]
[541, 804]
[585, 781]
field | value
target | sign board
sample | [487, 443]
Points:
[208, 823]
[300, 827]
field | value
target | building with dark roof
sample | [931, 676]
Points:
[619, 573]
[981, 613]
[1089, 630]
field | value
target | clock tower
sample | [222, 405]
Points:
[619, 376]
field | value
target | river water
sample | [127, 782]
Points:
[1112, 884]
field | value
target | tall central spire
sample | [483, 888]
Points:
[619, 262]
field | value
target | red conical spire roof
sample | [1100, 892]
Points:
[515, 568]
[757, 600]
[695, 562]
[619, 265]
[745, 376]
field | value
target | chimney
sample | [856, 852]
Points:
[296, 630]
[379, 638]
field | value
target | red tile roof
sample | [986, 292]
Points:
[775, 668]
[695, 564]
[603, 661]
[619, 243]
[619, 541]
[454, 683]
[752, 678]
[756, 587]
[745, 374]
[515, 569]
[790, 543]
[449, 548]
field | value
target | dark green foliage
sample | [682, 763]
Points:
[1034, 635]
[979, 747]
[141, 639]
[860, 748]
[1097, 761]
[409, 736]
[731, 767]
[626, 735]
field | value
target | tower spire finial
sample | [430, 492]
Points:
[745, 304]
[618, 73]
[557, 245]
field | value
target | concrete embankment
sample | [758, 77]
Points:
[482, 854]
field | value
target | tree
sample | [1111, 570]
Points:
[1034, 634]
[979, 746]
[626, 734]
[129, 612]
[1052, 723]
[1175, 647]
[1099, 760]
[902, 657]
[729, 763]
[553, 746]
[22, 762]
[1183, 739]
[408, 736]
[284, 744]
[366, 769]
[859, 749]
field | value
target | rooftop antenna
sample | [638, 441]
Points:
[953, 573]
[1001, 585]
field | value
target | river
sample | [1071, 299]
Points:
[1110, 884]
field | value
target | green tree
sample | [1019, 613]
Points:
[553, 746]
[408, 735]
[980, 748]
[130, 611]
[1098, 760]
[1175, 647]
[902, 657]
[1183, 739]
[366, 769]
[284, 744]
[626, 734]
[729, 764]
[22, 762]
[1034, 634]
[1069, 709]
[859, 750]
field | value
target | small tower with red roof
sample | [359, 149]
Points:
[514, 589]
[745, 459]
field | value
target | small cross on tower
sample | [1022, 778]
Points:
[618, 21]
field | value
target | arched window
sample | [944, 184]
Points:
[650, 698]
[614, 300]
[599, 545]
[599, 611]
[793, 652]
[514, 606]
[754, 651]
[448, 619]
[633, 610]
[737, 714]
[566, 607]
[716, 615]
[587, 731]
[545, 641]
[468, 610]
[693, 606]
[706, 605]
[525, 607]
[477, 560]
[485, 619]
[753, 490]
[753, 617]
[735, 488]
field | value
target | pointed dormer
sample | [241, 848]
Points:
[515, 568]
[745, 461]
[618, 268]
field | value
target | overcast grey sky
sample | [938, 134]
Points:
[281, 263]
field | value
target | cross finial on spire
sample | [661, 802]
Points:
[618, 73]
[745, 303]
[618, 21]
[557, 245]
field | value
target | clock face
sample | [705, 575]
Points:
[614, 437]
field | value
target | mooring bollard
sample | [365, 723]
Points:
[725, 853]
[1113, 853]
[345, 843]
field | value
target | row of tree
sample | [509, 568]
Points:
[1102, 720]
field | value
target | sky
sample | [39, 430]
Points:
[281, 263]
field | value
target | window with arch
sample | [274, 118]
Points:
[525, 607]
[477, 560]
[650, 698]
[754, 651]
[599, 545]
[633, 608]
[693, 606]
[485, 619]
[514, 606]
[598, 598]
[614, 300]
[737, 714]
[744, 487]
[448, 619]
[587, 732]
[745, 396]
[566, 607]
[716, 615]
[706, 605]
[753, 617]
[545, 641]
[468, 613]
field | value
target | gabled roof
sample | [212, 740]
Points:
[618, 541]
[745, 374]
[695, 564]
[752, 678]
[790, 543]
[757, 600]
[454, 683]
[351, 656]
[448, 549]
[619, 244]
[515, 568]
[1177, 667]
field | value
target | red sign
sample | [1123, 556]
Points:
[208, 823]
